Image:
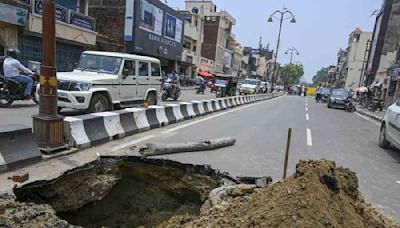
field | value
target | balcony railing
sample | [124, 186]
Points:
[67, 16]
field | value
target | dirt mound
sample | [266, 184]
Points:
[319, 194]
[16, 214]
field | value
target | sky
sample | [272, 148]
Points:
[322, 27]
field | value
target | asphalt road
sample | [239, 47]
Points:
[261, 130]
[21, 112]
[261, 133]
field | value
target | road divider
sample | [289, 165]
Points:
[94, 129]
[17, 147]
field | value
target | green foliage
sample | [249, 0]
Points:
[322, 76]
[292, 73]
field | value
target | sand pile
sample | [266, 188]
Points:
[319, 194]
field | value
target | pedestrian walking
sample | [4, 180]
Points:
[319, 93]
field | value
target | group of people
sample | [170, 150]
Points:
[14, 69]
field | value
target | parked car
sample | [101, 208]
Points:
[104, 80]
[338, 98]
[249, 86]
[390, 127]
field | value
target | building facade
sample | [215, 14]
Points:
[217, 31]
[22, 29]
[341, 68]
[356, 58]
[144, 27]
[383, 61]
[193, 40]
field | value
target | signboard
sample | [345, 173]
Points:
[81, 20]
[151, 38]
[129, 9]
[13, 15]
[228, 59]
[189, 59]
[151, 18]
[61, 12]
[173, 28]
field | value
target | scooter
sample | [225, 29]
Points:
[168, 90]
[12, 90]
[349, 105]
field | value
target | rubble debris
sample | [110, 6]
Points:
[319, 194]
[154, 149]
[27, 215]
[260, 182]
[19, 178]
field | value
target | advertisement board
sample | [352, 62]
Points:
[158, 30]
[228, 59]
[173, 28]
[151, 18]
[13, 15]
[82, 21]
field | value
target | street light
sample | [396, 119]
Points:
[282, 13]
[292, 51]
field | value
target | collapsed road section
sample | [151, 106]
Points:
[132, 192]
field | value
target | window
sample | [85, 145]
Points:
[155, 69]
[130, 66]
[214, 19]
[194, 48]
[186, 45]
[143, 69]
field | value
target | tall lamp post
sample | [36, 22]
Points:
[48, 126]
[282, 14]
[292, 51]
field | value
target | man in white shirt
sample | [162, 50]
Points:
[13, 68]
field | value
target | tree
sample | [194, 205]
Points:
[321, 77]
[292, 73]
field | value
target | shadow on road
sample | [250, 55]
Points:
[394, 153]
[23, 105]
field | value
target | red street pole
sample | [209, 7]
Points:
[48, 126]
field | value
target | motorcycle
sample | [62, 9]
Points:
[12, 90]
[349, 105]
[324, 98]
[375, 104]
[168, 90]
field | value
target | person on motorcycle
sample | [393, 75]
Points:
[12, 70]
[319, 93]
[174, 80]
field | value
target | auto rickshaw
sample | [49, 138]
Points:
[226, 85]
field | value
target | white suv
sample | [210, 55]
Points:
[104, 80]
[390, 128]
[250, 86]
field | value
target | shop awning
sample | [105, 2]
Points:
[205, 74]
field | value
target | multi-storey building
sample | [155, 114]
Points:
[217, 32]
[356, 58]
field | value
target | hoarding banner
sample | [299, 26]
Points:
[13, 15]
[173, 28]
[151, 18]
[129, 13]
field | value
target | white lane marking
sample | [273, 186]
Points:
[307, 117]
[144, 138]
[309, 138]
[306, 109]
[398, 182]
[366, 118]
[2, 161]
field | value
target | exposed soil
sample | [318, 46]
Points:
[319, 194]
[125, 192]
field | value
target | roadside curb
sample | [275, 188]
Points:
[368, 114]
[90, 130]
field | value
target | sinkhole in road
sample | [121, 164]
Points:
[127, 191]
